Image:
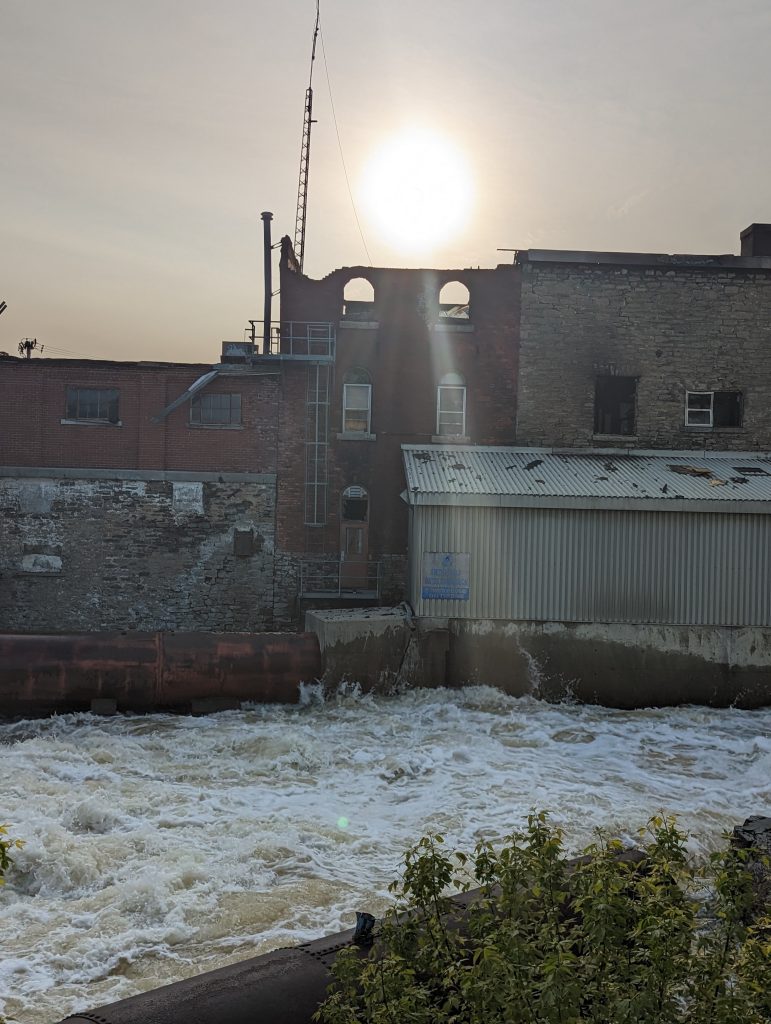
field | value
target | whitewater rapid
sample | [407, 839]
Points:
[160, 846]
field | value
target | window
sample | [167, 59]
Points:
[357, 402]
[454, 301]
[216, 411]
[98, 405]
[451, 406]
[359, 300]
[614, 405]
[710, 409]
[355, 504]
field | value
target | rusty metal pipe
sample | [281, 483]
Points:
[40, 675]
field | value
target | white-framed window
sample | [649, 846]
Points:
[357, 402]
[451, 406]
[95, 405]
[215, 410]
[710, 409]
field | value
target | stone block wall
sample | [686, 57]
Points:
[675, 328]
[101, 550]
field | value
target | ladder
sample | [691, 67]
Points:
[319, 386]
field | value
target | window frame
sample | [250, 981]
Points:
[710, 411]
[440, 389]
[74, 413]
[347, 408]
[204, 422]
[601, 377]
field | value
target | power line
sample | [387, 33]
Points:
[340, 147]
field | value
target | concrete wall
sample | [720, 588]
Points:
[380, 649]
[614, 664]
[138, 551]
[675, 329]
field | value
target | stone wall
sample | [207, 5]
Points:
[674, 328]
[107, 550]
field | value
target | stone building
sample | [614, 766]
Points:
[643, 350]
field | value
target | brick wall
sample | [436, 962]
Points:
[32, 407]
[675, 329]
[140, 552]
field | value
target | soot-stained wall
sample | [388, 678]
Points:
[674, 328]
[87, 552]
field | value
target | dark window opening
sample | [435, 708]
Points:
[97, 404]
[216, 410]
[727, 409]
[355, 505]
[614, 405]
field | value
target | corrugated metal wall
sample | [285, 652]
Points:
[600, 566]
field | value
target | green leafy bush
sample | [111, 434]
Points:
[610, 939]
[6, 845]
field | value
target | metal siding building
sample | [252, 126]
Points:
[615, 538]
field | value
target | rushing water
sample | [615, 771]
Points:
[158, 847]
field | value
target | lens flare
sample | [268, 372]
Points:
[417, 190]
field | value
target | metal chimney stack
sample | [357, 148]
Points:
[267, 257]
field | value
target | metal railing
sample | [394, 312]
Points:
[312, 340]
[332, 577]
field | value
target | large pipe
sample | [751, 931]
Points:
[267, 217]
[40, 675]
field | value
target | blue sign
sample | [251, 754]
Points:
[445, 576]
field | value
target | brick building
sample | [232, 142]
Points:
[409, 367]
[642, 350]
[122, 508]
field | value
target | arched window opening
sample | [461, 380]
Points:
[357, 402]
[355, 504]
[454, 301]
[451, 406]
[359, 300]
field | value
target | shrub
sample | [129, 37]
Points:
[608, 939]
[7, 844]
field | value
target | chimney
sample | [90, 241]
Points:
[756, 240]
[267, 259]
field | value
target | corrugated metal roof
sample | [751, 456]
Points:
[468, 474]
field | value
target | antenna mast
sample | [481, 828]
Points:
[305, 155]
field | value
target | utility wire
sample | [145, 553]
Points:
[340, 147]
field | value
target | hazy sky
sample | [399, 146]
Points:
[141, 139]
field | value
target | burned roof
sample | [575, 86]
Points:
[548, 477]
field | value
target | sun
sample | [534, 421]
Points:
[417, 189]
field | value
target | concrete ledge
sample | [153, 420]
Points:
[381, 649]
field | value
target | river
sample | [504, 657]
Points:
[161, 846]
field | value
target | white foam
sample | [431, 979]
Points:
[160, 846]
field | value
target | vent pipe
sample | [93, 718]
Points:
[267, 258]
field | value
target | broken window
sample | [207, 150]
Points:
[451, 406]
[713, 409]
[615, 399]
[216, 410]
[355, 504]
[359, 300]
[357, 402]
[99, 405]
[454, 301]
